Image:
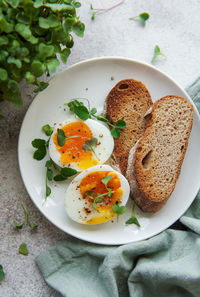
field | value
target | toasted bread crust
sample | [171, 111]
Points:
[129, 99]
[160, 152]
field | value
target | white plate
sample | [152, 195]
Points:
[92, 79]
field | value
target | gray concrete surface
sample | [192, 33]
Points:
[174, 25]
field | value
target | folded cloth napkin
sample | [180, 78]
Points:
[165, 265]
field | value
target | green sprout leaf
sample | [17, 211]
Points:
[2, 273]
[61, 137]
[133, 219]
[157, 53]
[115, 132]
[119, 210]
[41, 151]
[90, 145]
[106, 179]
[3, 74]
[89, 193]
[65, 173]
[26, 219]
[121, 124]
[78, 28]
[23, 249]
[143, 17]
[48, 130]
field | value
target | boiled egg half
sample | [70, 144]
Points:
[91, 195]
[72, 153]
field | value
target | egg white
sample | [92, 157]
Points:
[103, 151]
[75, 204]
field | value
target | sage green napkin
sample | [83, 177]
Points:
[166, 265]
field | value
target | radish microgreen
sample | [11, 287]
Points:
[157, 53]
[48, 130]
[143, 17]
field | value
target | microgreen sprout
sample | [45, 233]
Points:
[90, 145]
[26, 219]
[101, 10]
[84, 113]
[61, 137]
[157, 53]
[133, 219]
[100, 197]
[143, 17]
[2, 273]
[119, 210]
[23, 249]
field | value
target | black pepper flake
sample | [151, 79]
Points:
[87, 210]
[73, 157]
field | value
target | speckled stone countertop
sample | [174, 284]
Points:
[174, 25]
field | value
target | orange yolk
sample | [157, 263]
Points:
[93, 182]
[72, 151]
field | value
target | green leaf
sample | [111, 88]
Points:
[119, 210]
[82, 112]
[93, 111]
[23, 30]
[51, 21]
[32, 226]
[18, 225]
[23, 249]
[41, 86]
[3, 74]
[157, 53]
[1, 117]
[30, 78]
[65, 54]
[49, 174]
[68, 23]
[61, 137]
[89, 193]
[37, 68]
[133, 219]
[48, 191]
[45, 50]
[90, 144]
[37, 143]
[78, 28]
[3, 40]
[93, 15]
[4, 25]
[115, 132]
[13, 3]
[13, 85]
[120, 124]
[67, 172]
[40, 144]
[48, 163]
[77, 4]
[143, 17]
[2, 273]
[3, 55]
[40, 153]
[12, 60]
[52, 65]
[48, 130]
[106, 179]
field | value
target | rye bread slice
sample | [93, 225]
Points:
[155, 163]
[129, 100]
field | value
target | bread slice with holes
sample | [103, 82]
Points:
[129, 100]
[155, 163]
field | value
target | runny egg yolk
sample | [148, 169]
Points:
[72, 151]
[93, 182]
